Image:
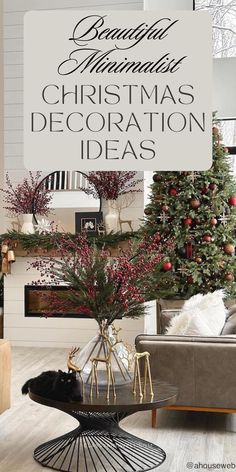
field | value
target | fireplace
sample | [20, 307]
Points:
[25, 325]
[36, 301]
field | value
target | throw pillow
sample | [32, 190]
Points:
[201, 315]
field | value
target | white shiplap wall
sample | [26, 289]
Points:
[21, 330]
[14, 11]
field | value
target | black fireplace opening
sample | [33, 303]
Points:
[36, 301]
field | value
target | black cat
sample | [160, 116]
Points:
[59, 386]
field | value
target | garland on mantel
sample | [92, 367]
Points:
[36, 241]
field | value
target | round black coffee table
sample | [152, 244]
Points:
[98, 443]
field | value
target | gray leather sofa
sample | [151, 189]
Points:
[203, 368]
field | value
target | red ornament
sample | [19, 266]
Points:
[157, 237]
[166, 266]
[229, 249]
[229, 277]
[213, 221]
[207, 238]
[213, 186]
[173, 192]
[205, 189]
[232, 200]
[190, 280]
[188, 221]
[195, 203]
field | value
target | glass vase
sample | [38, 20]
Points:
[101, 347]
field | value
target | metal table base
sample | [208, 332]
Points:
[99, 444]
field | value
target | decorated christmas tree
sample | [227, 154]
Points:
[198, 210]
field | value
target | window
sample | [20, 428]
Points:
[224, 25]
[228, 132]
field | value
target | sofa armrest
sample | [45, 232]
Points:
[201, 368]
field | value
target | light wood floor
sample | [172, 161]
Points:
[185, 436]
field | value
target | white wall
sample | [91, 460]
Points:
[40, 331]
[13, 55]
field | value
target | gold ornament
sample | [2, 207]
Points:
[213, 221]
[5, 248]
[8, 257]
[6, 267]
[198, 260]
[229, 277]
[229, 248]
[11, 256]
[195, 203]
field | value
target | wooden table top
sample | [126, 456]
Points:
[164, 395]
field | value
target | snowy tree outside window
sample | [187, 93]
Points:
[224, 25]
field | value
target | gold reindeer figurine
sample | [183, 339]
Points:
[73, 367]
[107, 361]
[147, 374]
[109, 373]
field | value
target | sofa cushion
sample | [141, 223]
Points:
[201, 315]
[230, 325]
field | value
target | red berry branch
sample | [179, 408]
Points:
[110, 185]
[104, 287]
[27, 197]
